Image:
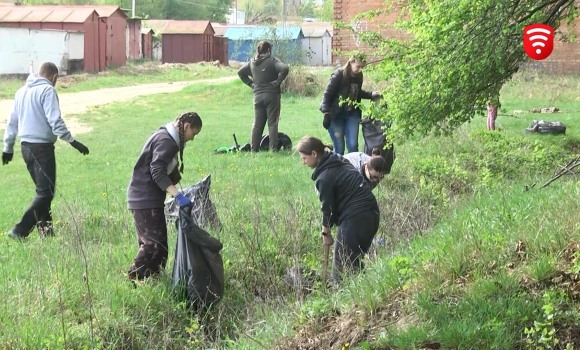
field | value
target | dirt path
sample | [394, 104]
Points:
[80, 102]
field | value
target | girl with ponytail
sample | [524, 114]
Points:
[157, 170]
[346, 202]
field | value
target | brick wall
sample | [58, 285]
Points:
[566, 54]
[346, 40]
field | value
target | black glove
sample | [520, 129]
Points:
[326, 121]
[6, 158]
[80, 147]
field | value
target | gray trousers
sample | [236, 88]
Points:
[266, 109]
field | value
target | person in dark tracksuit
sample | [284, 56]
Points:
[155, 173]
[36, 119]
[267, 73]
[343, 119]
[346, 201]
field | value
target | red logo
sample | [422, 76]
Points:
[538, 41]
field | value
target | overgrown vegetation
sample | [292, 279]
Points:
[457, 55]
[470, 259]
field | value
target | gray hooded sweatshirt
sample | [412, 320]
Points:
[267, 74]
[35, 115]
[358, 160]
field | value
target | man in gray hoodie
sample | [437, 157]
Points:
[267, 73]
[35, 118]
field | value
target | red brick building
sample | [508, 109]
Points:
[566, 54]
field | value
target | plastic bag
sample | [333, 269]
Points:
[204, 212]
[198, 270]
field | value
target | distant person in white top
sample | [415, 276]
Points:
[373, 168]
[35, 118]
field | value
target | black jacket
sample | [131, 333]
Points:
[345, 87]
[341, 189]
[267, 74]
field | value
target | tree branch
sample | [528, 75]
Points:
[538, 8]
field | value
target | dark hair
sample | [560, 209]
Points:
[378, 164]
[194, 122]
[347, 70]
[309, 144]
[264, 46]
[376, 152]
[48, 69]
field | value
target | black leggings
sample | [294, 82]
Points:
[353, 240]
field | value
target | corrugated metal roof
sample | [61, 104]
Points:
[186, 27]
[44, 15]
[157, 24]
[264, 33]
[147, 30]
[314, 32]
[220, 31]
[102, 10]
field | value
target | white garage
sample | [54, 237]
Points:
[317, 45]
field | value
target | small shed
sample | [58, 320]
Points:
[85, 20]
[134, 48]
[187, 42]
[147, 40]
[317, 45]
[115, 25]
[220, 44]
[286, 42]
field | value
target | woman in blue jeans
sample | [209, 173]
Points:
[343, 118]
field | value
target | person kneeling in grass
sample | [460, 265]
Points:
[156, 172]
[345, 201]
[372, 168]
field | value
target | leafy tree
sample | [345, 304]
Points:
[307, 9]
[459, 54]
[272, 7]
[326, 11]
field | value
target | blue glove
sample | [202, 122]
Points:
[182, 200]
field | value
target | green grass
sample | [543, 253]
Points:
[461, 282]
[134, 73]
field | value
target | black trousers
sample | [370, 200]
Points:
[354, 237]
[41, 164]
[151, 230]
[266, 110]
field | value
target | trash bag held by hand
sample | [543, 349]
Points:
[203, 211]
[374, 137]
[198, 270]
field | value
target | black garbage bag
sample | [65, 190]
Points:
[203, 210]
[374, 137]
[544, 127]
[284, 142]
[198, 270]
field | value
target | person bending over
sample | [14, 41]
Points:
[372, 168]
[345, 202]
[156, 172]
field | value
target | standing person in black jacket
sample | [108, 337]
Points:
[343, 119]
[156, 172]
[346, 201]
[267, 73]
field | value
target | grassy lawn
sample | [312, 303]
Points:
[133, 73]
[475, 276]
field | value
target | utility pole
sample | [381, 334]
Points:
[133, 8]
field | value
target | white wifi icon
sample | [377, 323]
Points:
[536, 37]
